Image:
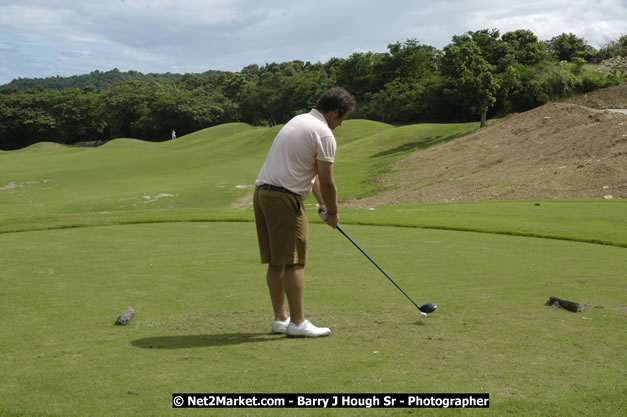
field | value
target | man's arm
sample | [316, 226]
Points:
[327, 191]
[315, 190]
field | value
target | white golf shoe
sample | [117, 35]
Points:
[306, 329]
[280, 326]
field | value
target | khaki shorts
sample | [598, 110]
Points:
[282, 228]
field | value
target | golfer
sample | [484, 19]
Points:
[300, 161]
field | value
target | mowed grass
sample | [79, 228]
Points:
[203, 320]
[593, 221]
[208, 176]
[166, 228]
[210, 170]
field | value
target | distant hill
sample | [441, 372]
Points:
[97, 79]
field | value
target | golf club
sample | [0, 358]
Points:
[425, 308]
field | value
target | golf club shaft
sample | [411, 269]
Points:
[375, 264]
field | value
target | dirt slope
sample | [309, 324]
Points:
[571, 149]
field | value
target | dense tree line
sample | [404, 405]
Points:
[479, 74]
[101, 80]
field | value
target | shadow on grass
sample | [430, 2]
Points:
[415, 146]
[203, 340]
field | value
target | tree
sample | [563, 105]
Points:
[468, 74]
[280, 91]
[487, 40]
[79, 116]
[359, 74]
[613, 48]
[184, 111]
[403, 101]
[124, 105]
[261, 101]
[526, 48]
[566, 47]
[409, 61]
[26, 118]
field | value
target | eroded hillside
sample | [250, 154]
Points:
[572, 149]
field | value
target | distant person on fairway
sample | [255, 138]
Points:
[173, 135]
[300, 161]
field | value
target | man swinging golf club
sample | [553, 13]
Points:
[300, 161]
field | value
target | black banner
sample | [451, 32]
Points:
[189, 400]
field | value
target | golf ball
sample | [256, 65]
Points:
[423, 315]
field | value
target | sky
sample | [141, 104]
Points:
[43, 38]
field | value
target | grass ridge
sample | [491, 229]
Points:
[357, 223]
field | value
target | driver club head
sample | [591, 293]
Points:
[428, 307]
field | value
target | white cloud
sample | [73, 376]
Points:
[592, 21]
[47, 37]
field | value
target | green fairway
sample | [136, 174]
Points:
[167, 229]
[207, 170]
[203, 319]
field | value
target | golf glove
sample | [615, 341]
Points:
[322, 212]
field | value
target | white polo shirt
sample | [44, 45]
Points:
[291, 162]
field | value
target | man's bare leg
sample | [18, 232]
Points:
[287, 280]
[275, 280]
[294, 283]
